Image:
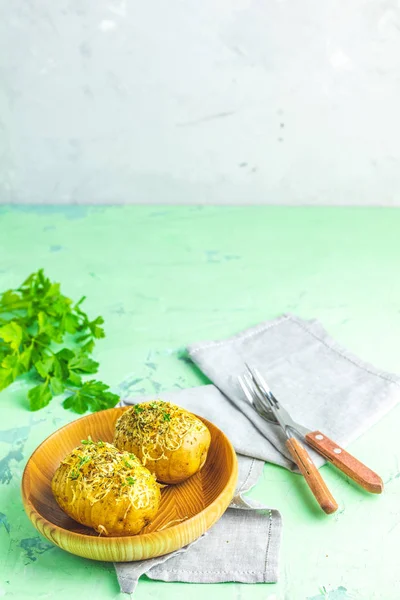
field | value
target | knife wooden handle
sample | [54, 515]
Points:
[344, 461]
[311, 474]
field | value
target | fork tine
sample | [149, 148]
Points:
[245, 389]
[257, 400]
[255, 392]
[264, 386]
[250, 385]
[267, 400]
[261, 383]
[277, 405]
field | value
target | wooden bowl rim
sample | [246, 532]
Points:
[104, 541]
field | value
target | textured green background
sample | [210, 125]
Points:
[163, 277]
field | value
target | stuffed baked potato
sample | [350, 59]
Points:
[171, 442]
[104, 488]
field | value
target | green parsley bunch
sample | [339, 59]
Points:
[35, 320]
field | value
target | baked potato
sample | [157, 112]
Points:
[171, 442]
[104, 488]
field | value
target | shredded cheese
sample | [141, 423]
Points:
[155, 427]
[97, 468]
[170, 523]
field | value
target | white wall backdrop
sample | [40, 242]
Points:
[200, 101]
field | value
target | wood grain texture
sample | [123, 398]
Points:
[313, 477]
[344, 461]
[187, 510]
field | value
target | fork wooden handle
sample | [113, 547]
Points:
[311, 474]
[344, 461]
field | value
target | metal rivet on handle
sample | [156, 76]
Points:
[337, 450]
[319, 437]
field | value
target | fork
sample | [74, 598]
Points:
[260, 396]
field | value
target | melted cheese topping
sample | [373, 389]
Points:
[97, 468]
[157, 427]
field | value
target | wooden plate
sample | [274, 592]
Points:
[200, 500]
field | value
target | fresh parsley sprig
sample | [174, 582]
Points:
[35, 320]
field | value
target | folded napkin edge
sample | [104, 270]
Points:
[314, 328]
[196, 347]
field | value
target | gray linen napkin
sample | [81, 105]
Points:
[219, 554]
[321, 384]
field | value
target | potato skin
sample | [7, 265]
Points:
[114, 514]
[171, 465]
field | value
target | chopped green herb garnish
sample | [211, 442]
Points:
[166, 416]
[100, 444]
[132, 457]
[83, 460]
[74, 475]
[138, 408]
[88, 441]
[128, 465]
[131, 480]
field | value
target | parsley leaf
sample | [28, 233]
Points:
[35, 319]
[12, 334]
[39, 396]
[81, 363]
[6, 378]
[93, 395]
[25, 357]
[57, 386]
[98, 332]
[43, 367]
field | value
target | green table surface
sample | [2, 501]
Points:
[164, 277]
